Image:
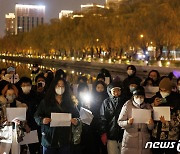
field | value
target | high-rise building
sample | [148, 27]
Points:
[65, 13]
[10, 23]
[28, 17]
[91, 7]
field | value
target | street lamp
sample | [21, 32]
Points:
[141, 36]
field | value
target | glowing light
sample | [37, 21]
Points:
[30, 6]
[141, 35]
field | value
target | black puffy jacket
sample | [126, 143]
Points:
[109, 114]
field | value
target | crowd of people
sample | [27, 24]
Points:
[113, 129]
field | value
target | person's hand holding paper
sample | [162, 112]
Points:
[160, 112]
[14, 114]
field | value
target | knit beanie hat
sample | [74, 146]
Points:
[165, 83]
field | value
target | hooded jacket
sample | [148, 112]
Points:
[109, 113]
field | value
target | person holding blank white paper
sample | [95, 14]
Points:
[166, 129]
[57, 139]
[136, 134]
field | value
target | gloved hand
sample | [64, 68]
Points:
[104, 138]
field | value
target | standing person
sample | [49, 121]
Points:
[8, 99]
[154, 74]
[84, 99]
[111, 133]
[2, 73]
[136, 134]
[11, 75]
[29, 97]
[34, 73]
[56, 140]
[49, 76]
[166, 131]
[39, 88]
[131, 79]
[99, 94]
[107, 75]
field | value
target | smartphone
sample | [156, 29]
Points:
[163, 100]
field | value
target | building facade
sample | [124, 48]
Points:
[28, 17]
[65, 13]
[10, 23]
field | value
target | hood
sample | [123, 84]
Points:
[113, 85]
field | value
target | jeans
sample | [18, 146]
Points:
[62, 150]
[114, 147]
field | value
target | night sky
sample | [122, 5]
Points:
[53, 7]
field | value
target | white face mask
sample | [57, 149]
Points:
[132, 88]
[60, 90]
[139, 101]
[164, 94]
[26, 89]
[129, 72]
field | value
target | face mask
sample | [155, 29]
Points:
[60, 90]
[10, 98]
[164, 94]
[139, 101]
[130, 72]
[132, 89]
[41, 84]
[26, 89]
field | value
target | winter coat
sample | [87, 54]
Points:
[31, 101]
[171, 129]
[135, 135]
[54, 137]
[109, 113]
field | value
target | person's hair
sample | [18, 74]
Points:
[158, 75]
[146, 81]
[25, 80]
[82, 86]
[83, 78]
[49, 78]
[51, 94]
[132, 67]
[60, 74]
[97, 83]
[9, 87]
[3, 69]
[41, 75]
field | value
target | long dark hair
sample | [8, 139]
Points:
[51, 94]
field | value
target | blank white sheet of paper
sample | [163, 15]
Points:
[30, 138]
[161, 111]
[16, 113]
[141, 115]
[60, 119]
[86, 116]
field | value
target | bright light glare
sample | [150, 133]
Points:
[86, 97]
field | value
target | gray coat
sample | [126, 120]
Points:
[135, 135]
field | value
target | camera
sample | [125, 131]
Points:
[39, 84]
